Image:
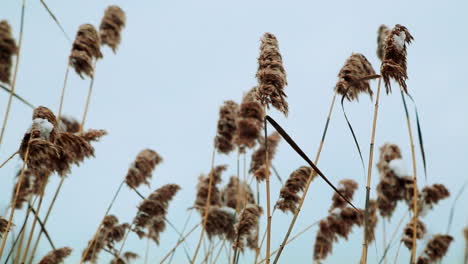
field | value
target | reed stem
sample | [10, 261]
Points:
[267, 185]
[15, 73]
[9, 158]
[309, 181]
[147, 250]
[21, 99]
[88, 99]
[369, 175]
[19, 239]
[62, 96]
[207, 207]
[179, 242]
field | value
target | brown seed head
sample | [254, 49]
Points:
[25, 190]
[435, 249]
[111, 26]
[247, 224]
[85, 49]
[235, 194]
[289, 194]
[3, 226]
[271, 75]
[347, 187]
[382, 34]
[257, 164]
[8, 49]
[352, 77]
[409, 231]
[69, 124]
[394, 60]
[220, 222]
[431, 195]
[249, 121]
[142, 168]
[227, 127]
[56, 256]
[203, 188]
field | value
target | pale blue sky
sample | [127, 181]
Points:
[179, 60]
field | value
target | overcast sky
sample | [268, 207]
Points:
[178, 62]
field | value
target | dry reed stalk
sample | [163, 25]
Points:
[465, 234]
[8, 159]
[309, 181]
[12, 210]
[56, 20]
[8, 48]
[21, 99]
[267, 183]
[369, 175]
[207, 207]
[88, 99]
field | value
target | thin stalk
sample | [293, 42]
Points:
[88, 99]
[387, 247]
[124, 240]
[56, 20]
[210, 251]
[384, 238]
[100, 224]
[19, 238]
[292, 239]
[31, 233]
[219, 252]
[369, 176]
[309, 181]
[36, 244]
[21, 99]
[179, 242]
[62, 96]
[9, 158]
[415, 189]
[183, 231]
[147, 250]
[267, 185]
[41, 224]
[397, 253]
[15, 73]
[18, 249]
[12, 211]
[207, 207]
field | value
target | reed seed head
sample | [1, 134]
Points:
[140, 172]
[257, 164]
[25, 191]
[394, 60]
[3, 226]
[111, 26]
[85, 49]
[271, 75]
[220, 222]
[296, 183]
[247, 224]
[235, 193]
[382, 34]
[56, 256]
[68, 124]
[353, 77]
[249, 121]
[203, 187]
[435, 249]
[227, 127]
[8, 49]
[409, 231]
[347, 187]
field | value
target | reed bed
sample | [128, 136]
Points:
[229, 209]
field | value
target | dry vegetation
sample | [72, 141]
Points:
[231, 213]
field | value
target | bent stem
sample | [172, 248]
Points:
[207, 207]
[309, 181]
[59, 187]
[9, 158]
[415, 182]
[15, 73]
[369, 175]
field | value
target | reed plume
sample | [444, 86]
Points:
[203, 187]
[69, 124]
[249, 121]
[435, 249]
[73, 150]
[85, 49]
[247, 225]
[382, 34]
[111, 27]
[394, 59]
[271, 75]
[409, 231]
[236, 193]
[431, 195]
[93, 134]
[289, 193]
[8, 49]
[152, 212]
[220, 222]
[257, 164]
[3, 226]
[25, 190]
[353, 77]
[346, 187]
[227, 127]
[128, 257]
[372, 220]
[140, 171]
[56, 256]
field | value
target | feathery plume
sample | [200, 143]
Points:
[3, 226]
[93, 134]
[56, 256]
[220, 222]
[352, 78]
[203, 187]
[289, 194]
[235, 193]
[111, 26]
[347, 187]
[25, 190]
[372, 220]
[226, 127]
[431, 195]
[257, 165]
[394, 60]
[382, 34]
[69, 124]
[73, 150]
[85, 49]
[152, 212]
[249, 121]
[247, 224]
[8, 49]
[271, 75]
[435, 249]
[142, 168]
[409, 231]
